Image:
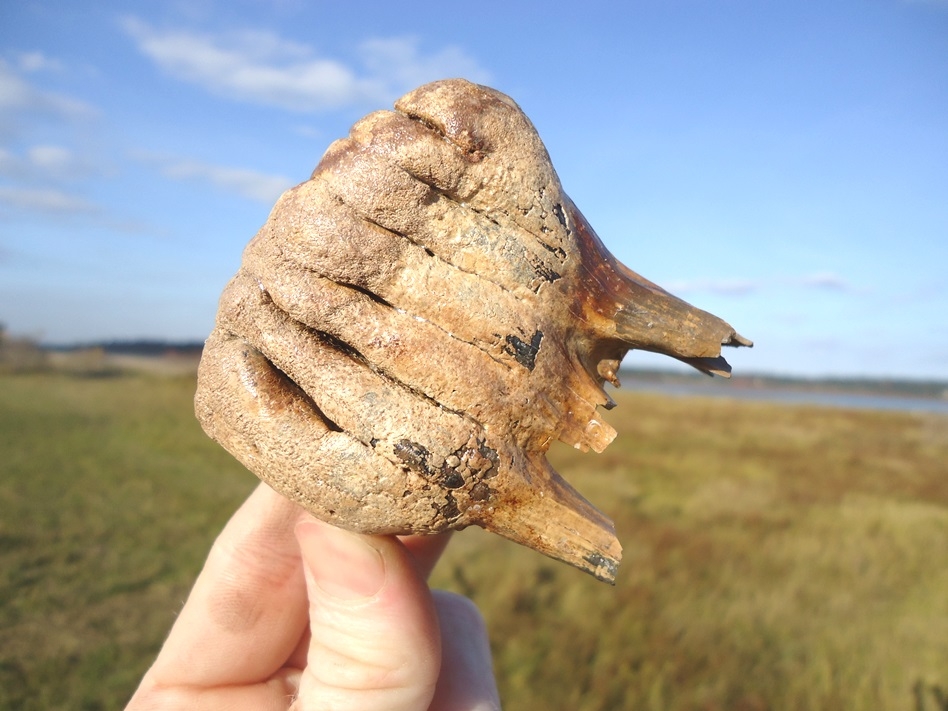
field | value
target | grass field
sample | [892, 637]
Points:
[776, 557]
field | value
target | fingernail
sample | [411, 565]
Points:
[342, 564]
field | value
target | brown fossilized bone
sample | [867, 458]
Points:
[415, 324]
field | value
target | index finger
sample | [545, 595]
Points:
[248, 609]
[426, 550]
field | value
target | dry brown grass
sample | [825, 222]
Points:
[775, 558]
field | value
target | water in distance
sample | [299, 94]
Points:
[803, 393]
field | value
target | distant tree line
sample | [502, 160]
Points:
[23, 354]
[20, 354]
[140, 347]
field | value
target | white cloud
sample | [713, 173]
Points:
[44, 163]
[9, 163]
[19, 97]
[726, 287]
[45, 200]
[309, 131]
[37, 170]
[263, 68]
[826, 281]
[59, 205]
[247, 183]
[398, 62]
[37, 62]
[51, 158]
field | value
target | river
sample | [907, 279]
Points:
[824, 398]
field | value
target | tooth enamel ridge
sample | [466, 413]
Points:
[415, 324]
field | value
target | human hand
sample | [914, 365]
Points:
[292, 613]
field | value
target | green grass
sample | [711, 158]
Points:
[111, 496]
[775, 557]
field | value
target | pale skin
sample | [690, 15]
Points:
[291, 613]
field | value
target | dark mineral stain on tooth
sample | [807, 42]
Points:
[524, 353]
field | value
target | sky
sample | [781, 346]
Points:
[782, 164]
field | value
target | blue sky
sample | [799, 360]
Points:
[781, 164]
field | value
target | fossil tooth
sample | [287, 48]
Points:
[415, 324]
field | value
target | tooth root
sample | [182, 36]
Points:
[553, 518]
[659, 322]
[595, 434]
[736, 339]
[608, 370]
[639, 314]
[710, 366]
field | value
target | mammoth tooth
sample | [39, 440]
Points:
[415, 324]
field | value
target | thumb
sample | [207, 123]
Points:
[375, 642]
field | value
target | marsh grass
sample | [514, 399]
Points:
[110, 499]
[776, 557]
